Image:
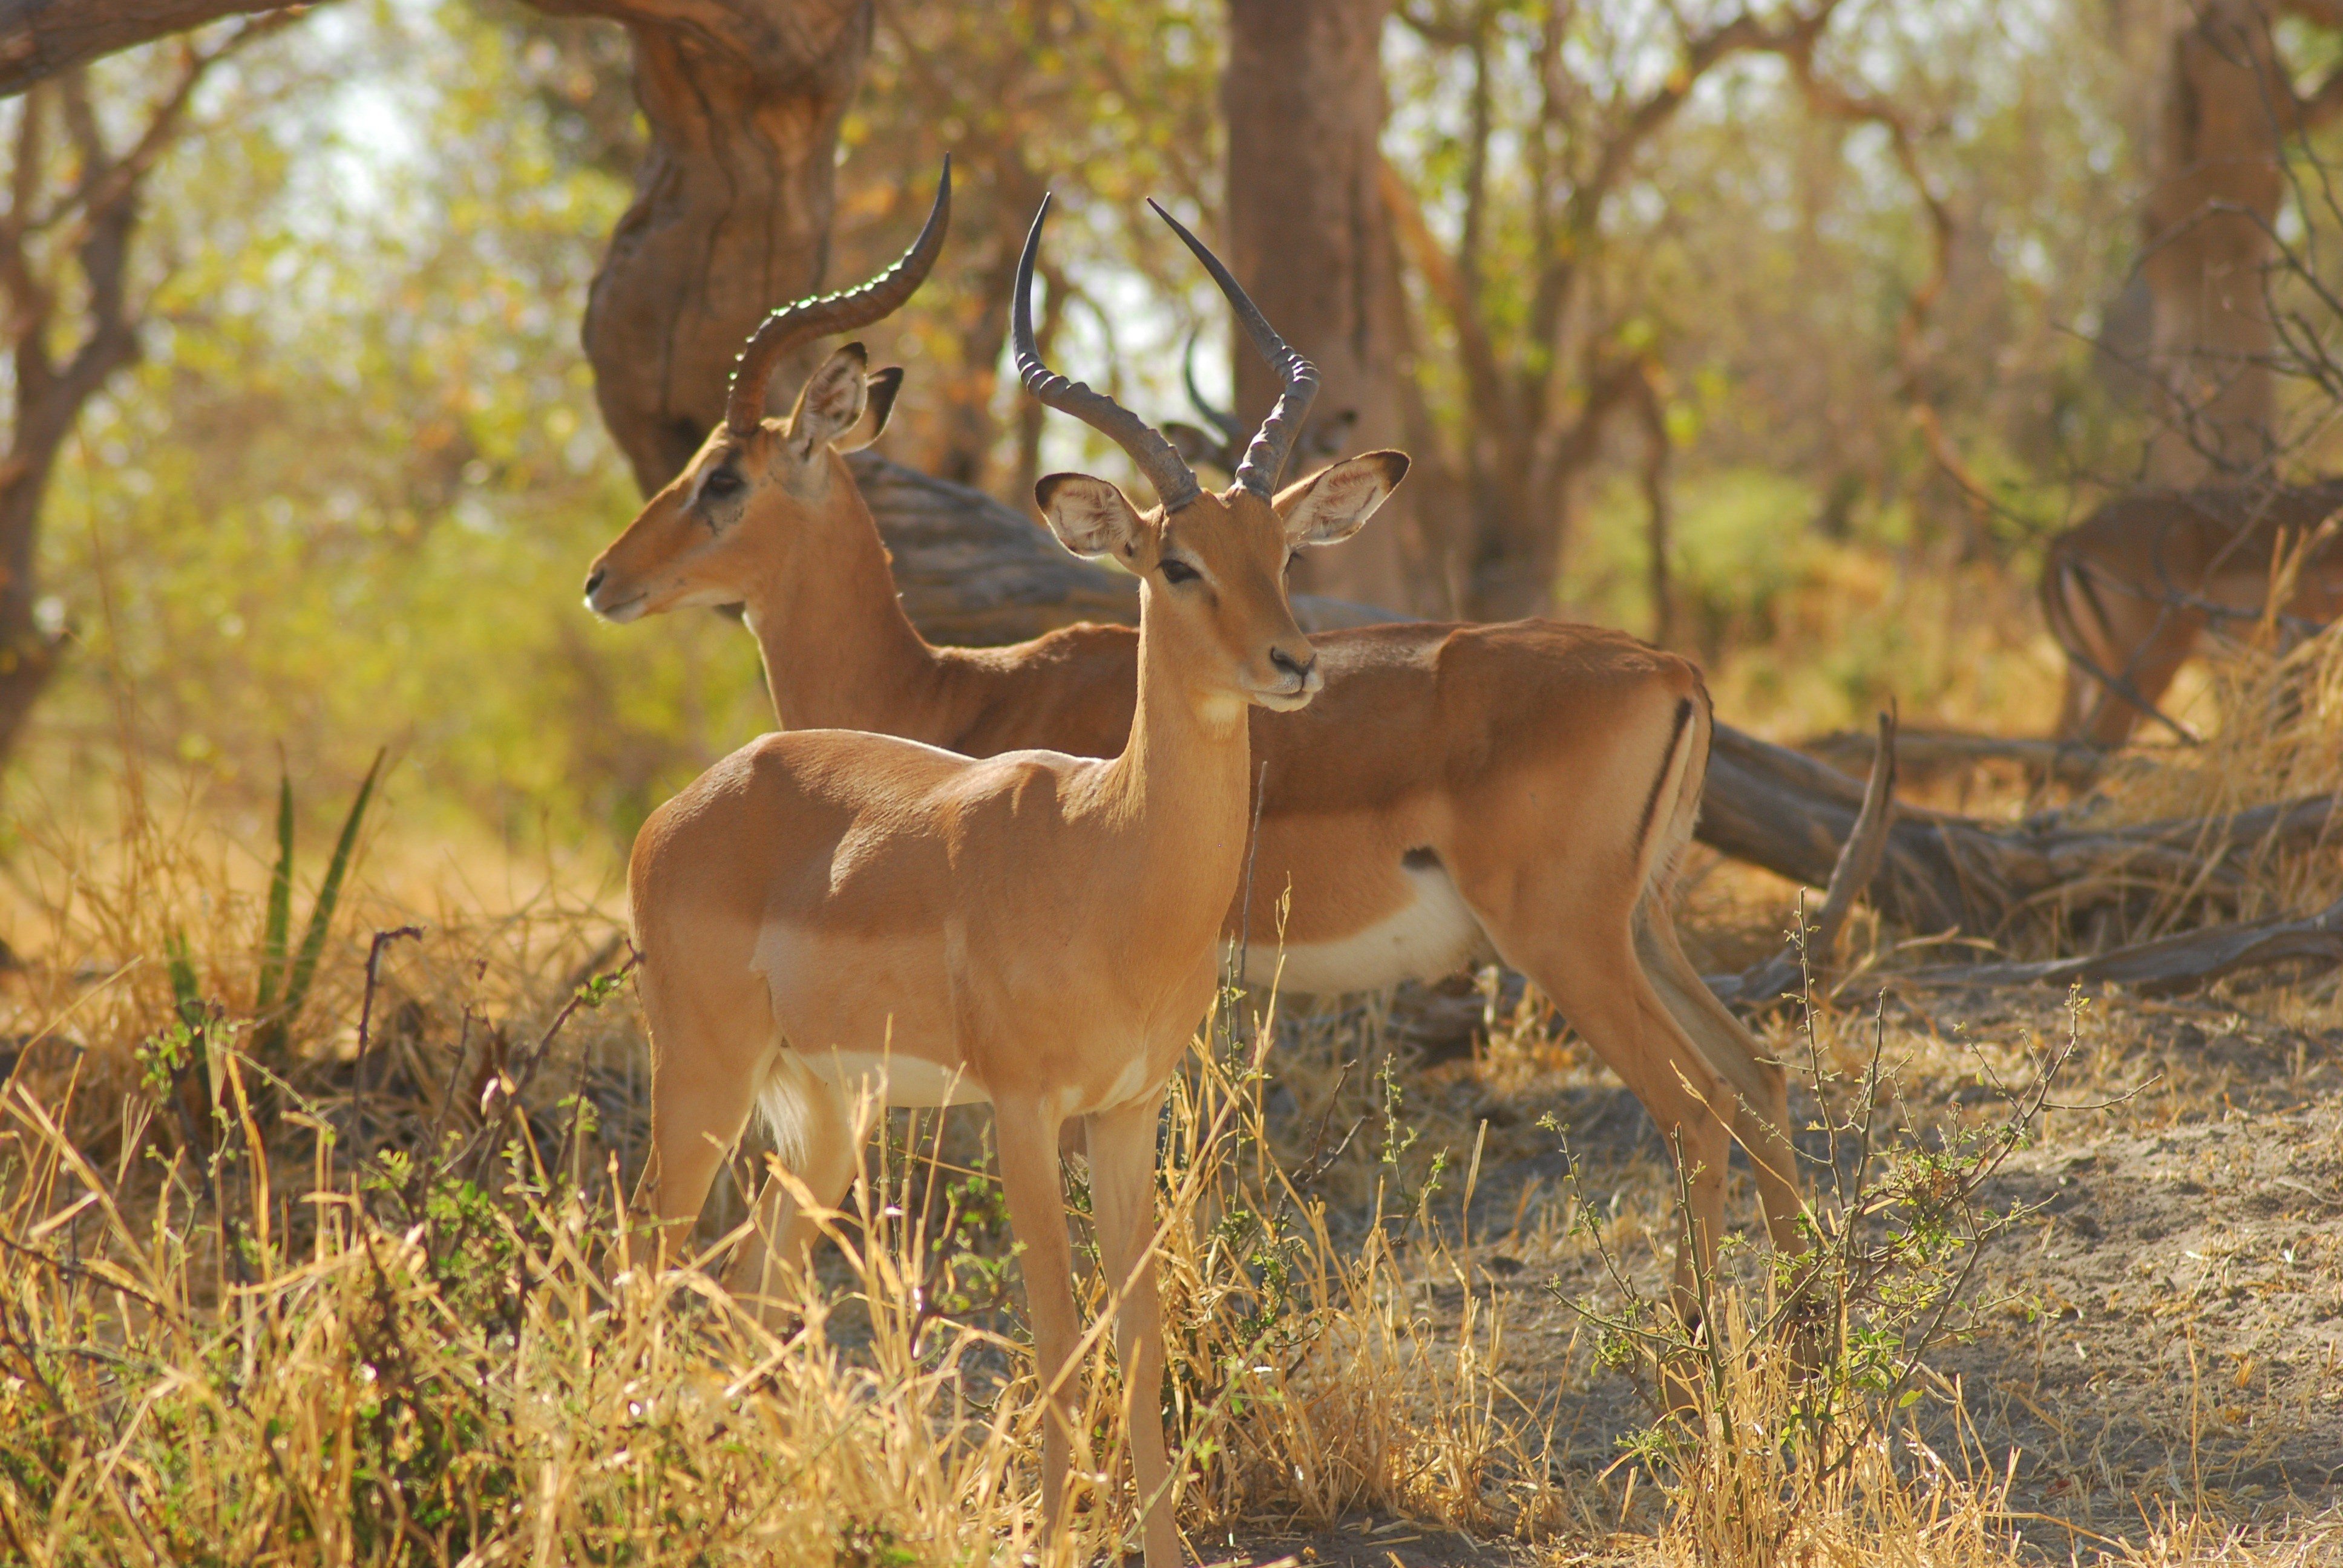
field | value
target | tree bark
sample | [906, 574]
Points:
[44, 38]
[732, 204]
[1310, 239]
[2228, 106]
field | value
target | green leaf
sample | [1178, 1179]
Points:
[280, 897]
[329, 893]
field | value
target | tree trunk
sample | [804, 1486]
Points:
[1310, 239]
[732, 205]
[2228, 105]
[29, 654]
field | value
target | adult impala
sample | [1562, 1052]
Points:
[1523, 790]
[827, 914]
[2128, 591]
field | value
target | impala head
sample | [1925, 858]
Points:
[1213, 565]
[748, 492]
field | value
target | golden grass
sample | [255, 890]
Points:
[300, 1340]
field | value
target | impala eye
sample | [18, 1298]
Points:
[1179, 571]
[722, 482]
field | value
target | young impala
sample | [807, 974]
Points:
[1523, 790]
[826, 915]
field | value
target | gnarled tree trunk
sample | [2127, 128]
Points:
[732, 205]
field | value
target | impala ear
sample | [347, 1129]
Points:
[831, 403]
[1330, 504]
[1089, 516]
[878, 402]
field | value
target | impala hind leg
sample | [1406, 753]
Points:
[1027, 1140]
[1122, 1202]
[1761, 1087]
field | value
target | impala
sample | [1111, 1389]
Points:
[1222, 445]
[2128, 590]
[828, 918]
[1521, 790]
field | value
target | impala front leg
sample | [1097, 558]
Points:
[1122, 1203]
[1027, 1137]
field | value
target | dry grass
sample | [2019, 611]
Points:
[290, 1328]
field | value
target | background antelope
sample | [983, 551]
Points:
[1219, 442]
[2128, 591]
[1521, 790]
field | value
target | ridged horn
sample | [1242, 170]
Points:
[793, 325]
[1175, 485]
[1265, 458]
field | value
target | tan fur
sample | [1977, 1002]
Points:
[1522, 756]
[831, 920]
[2128, 591]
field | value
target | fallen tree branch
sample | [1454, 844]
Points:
[1782, 809]
[2169, 964]
[1925, 753]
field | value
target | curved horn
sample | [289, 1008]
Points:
[1265, 458]
[1175, 485]
[1218, 418]
[808, 320]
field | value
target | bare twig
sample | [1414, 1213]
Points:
[366, 1022]
[1859, 859]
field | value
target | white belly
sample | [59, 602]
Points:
[1434, 935]
[891, 1079]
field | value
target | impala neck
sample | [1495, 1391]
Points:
[1183, 780]
[838, 649]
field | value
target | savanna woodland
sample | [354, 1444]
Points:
[1777, 1005]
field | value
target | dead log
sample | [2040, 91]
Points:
[2183, 961]
[1783, 810]
[1928, 753]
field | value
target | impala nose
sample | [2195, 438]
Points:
[594, 579]
[1300, 668]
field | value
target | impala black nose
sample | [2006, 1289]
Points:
[594, 580]
[1298, 668]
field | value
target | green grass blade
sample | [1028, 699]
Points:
[329, 893]
[184, 990]
[280, 897]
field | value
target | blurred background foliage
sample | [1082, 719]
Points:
[348, 498]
